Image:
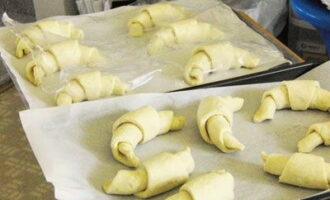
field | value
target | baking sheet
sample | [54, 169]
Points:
[72, 144]
[127, 58]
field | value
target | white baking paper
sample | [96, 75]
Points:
[72, 144]
[126, 56]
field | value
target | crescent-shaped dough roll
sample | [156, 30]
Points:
[297, 95]
[45, 32]
[156, 15]
[300, 169]
[182, 32]
[317, 134]
[61, 55]
[158, 174]
[211, 186]
[139, 126]
[219, 56]
[215, 120]
[90, 86]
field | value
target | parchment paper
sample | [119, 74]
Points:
[126, 56]
[72, 143]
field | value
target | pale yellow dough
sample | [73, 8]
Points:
[297, 95]
[45, 32]
[61, 55]
[155, 15]
[90, 86]
[139, 126]
[299, 169]
[182, 32]
[214, 185]
[158, 174]
[317, 134]
[218, 56]
[215, 120]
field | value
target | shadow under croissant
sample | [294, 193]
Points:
[276, 127]
[96, 140]
[97, 136]
[252, 97]
[287, 189]
[246, 173]
[101, 173]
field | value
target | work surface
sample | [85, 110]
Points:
[20, 175]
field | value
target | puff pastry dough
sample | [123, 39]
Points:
[215, 120]
[300, 169]
[61, 55]
[140, 126]
[45, 32]
[156, 15]
[90, 86]
[297, 95]
[158, 174]
[219, 56]
[182, 32]
[211, 186]
[317, 134]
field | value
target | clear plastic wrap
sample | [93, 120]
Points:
[55, 81]
[176, 56]
[270, 14]
[126, 56]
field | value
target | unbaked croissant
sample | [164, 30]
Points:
[61, 55]
[90, 86]
[182, 32]
[219, 56]
[300, 169]
[211, 186]
[45, 32]
[317, 134]
[297, 95]
[215, 120]
[139, 126]
[155, 15]
[158, 174]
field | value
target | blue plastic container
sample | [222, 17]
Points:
[316, 13]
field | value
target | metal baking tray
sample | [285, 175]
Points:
[279, 73]
[274, 74]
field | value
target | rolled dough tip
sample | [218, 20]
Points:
[258, 119]
[107, 186]
[136, 30]
[264, 156]
[63, 99]
[178, 123]
[309, 142]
